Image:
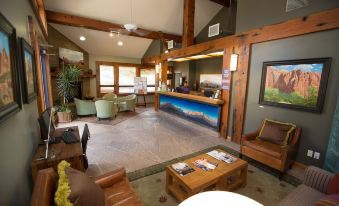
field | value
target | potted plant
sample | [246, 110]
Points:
[66, 87]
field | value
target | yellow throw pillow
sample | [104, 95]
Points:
[64, 190]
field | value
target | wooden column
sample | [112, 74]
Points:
[116, 79]
[241, 82]
[156, 86]
[226, 94]
[164, 69]
[35, 46]
[188, 24]
[49, 81]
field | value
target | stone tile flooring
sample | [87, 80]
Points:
[144, 140]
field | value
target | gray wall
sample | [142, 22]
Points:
[254, 14]
[208, 66]
[19, 133]
[316, 127]
[154, 49]
[226, 17]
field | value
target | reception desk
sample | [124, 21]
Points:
[199, 109]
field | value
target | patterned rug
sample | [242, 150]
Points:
[121, 116]
[263, 184]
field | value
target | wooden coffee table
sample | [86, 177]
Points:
[227, 177]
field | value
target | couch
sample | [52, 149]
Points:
[115, 185]
[84, 107]
[106, 109]
[127, 103]
[271, 154]
[312, 189]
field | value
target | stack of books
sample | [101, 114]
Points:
[182, 168]
[222, 156]
[205, 164]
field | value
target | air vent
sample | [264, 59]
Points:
[214, 30]
[170, 44]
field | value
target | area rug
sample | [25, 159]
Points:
[263, 184]
[121, 116]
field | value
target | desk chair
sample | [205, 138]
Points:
[85, 137]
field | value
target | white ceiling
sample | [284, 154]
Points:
[157, 15]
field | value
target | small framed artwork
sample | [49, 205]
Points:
[295, 84]
[28, 72]
[10, 99]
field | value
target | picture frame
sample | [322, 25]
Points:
[295, 84]
[10, 98]
[27, 72]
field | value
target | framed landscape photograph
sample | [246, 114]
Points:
[10, 101]
[28, 72]
[295, 84]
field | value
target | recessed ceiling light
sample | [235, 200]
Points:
[120, 43]
[82, 38]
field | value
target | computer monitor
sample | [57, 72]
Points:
[46, 125]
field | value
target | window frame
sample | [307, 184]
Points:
[153, 85]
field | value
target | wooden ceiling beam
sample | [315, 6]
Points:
[77, 21]
[188, 23]
[226, 3]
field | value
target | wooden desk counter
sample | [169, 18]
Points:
[57, 152]
[194, 98]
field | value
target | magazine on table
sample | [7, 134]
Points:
[205, 164]
[222, 156]
[182, 168]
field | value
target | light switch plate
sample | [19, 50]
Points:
[310, 153]
[316, 155]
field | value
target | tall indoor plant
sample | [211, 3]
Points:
[66, 87]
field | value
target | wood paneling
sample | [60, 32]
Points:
[188, 23]
[77, 21]
[193, 97]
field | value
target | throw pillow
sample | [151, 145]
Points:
[80, 189]
[329, 200]
[276, 132]
[333, 186]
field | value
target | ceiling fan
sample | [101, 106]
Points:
[129, 27]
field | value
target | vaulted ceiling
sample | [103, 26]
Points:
[156, 15]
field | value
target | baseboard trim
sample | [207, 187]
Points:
[298, 165]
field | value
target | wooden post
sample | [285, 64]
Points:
[188, 23]
[226, 94]
[241, 82]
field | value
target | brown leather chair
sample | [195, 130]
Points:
[115, 185]
[270, 154]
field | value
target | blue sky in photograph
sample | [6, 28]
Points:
[28, 56]
[208, 110]
[4, 42]
[302, 67]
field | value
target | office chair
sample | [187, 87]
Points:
[85, 137]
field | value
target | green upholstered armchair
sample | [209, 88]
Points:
[127, 103]
[110, 97]
[85, 107]
[106, 109]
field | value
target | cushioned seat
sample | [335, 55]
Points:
[265, 147]
[85, 107]
[302, 196]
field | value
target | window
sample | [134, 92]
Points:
[126, 79]
[106, 80]
[150, 75]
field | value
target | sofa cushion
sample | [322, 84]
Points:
[329, 200]
[276, 132]
[264, 146]
[302, 196]
[333, 186]
[75, 188]
[121, 193]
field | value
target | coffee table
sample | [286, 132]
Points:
[227, 177]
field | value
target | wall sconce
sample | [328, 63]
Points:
[234, 62]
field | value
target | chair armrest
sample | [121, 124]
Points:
[250, 136]
[108, 179]
[317, 178]
[44, 188]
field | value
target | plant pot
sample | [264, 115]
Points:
[64, 116]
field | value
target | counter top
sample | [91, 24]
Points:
[193, 97]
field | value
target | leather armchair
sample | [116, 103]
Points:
[115, 185]
[106, 109]
[270, 154]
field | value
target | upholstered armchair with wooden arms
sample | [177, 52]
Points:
[270, 153]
